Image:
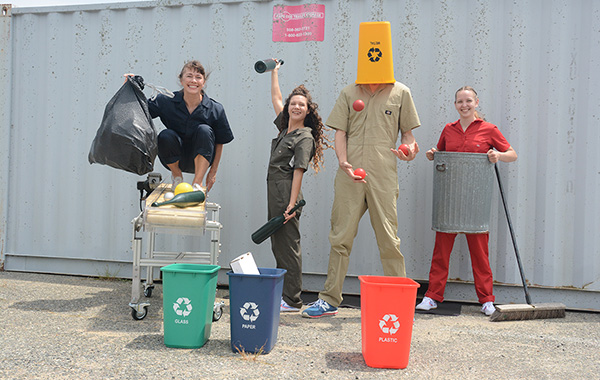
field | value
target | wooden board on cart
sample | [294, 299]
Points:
[172, 216]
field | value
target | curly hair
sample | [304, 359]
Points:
[313, 121]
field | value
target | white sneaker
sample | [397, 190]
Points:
[427, 304]
[176, 181]
[196, 187]
[285, 308]
[488, 308]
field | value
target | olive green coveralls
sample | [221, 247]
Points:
[371, 133]
[289, 151]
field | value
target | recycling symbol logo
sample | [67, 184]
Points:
[183, 306]
[374, 54]
[249, 311]
[384, 324]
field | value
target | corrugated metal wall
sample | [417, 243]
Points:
[535, 65]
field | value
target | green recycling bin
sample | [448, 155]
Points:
[188, 300]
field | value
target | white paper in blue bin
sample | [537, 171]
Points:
[244, 264]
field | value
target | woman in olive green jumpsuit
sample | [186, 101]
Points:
[299, 141]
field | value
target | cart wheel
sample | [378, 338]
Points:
[139, 316]
[217, 313]
[148, 292]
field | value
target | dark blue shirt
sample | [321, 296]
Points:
[174, 115]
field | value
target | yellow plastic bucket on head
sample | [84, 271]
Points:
[375, 56]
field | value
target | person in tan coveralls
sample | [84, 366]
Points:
[366, 139]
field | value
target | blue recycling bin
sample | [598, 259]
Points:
[254, 307]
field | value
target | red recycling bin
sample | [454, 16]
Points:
[387, 310]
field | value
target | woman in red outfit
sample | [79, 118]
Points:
[470, 134]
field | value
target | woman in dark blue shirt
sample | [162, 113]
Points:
[196, 130]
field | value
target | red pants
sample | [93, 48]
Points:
[440, 262]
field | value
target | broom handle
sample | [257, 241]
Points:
[512, 235]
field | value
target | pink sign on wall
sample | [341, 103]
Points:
[299, 23]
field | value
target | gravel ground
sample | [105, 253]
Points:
[64, 327]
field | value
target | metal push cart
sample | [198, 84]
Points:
[153, 221]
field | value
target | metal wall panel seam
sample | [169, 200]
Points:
[124, 5]
[84, 7]
[6, 61]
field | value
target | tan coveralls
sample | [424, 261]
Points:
[371, 133]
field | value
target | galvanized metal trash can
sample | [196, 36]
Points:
[462, 192]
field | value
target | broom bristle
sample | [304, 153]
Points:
[523, 312]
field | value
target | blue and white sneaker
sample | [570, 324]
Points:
[285, 308]
[319, 309]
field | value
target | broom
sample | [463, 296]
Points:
[519, 312]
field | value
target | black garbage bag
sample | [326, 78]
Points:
[126, 138]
